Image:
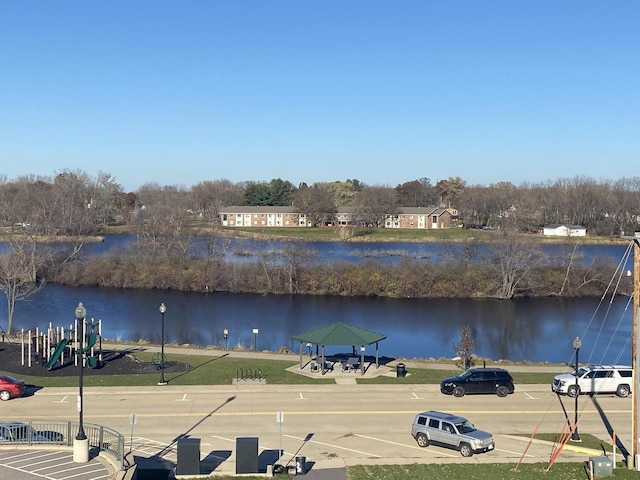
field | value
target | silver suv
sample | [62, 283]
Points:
[595, 379]
[451, 431]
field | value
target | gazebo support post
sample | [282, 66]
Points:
[377, 361]
[361, 359]
[323, 362]
[301, 355]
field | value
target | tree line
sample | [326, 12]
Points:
[74, 203]
[71, 205]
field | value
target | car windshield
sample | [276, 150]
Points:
[465, 427]
[581, 372]
[465, 375]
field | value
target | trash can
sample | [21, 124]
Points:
[401, 370]
[301, 465]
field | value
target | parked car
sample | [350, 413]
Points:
[451, 431]
[11, 387]
[496, 381]
[19, 432]
[595, 379]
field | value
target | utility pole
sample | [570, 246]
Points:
[634, 345]
[631, 462]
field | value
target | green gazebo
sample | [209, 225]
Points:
[338, 334]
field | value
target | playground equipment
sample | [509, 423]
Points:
[50, 346]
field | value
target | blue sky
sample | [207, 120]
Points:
[177, 92]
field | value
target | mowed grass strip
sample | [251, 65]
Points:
[470, 470]
[206, 370]
[223, 369]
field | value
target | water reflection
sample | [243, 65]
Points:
[521, 329]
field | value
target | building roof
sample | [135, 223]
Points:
[340, 334]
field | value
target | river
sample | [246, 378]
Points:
[537, 330]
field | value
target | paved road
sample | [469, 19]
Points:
[333, 426]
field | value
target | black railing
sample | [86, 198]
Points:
[30, 433]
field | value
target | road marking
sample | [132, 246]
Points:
[183, 399]
[400, 444]
[301, 397]
[64, 400]
[334, 446]
[416, 397]
[529, 397]
[233, 440]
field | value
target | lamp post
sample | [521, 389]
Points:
[162, 381]
[255, 339]
[81, 442]
[225, 334]
[577, 343]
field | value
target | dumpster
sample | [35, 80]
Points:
[401, 370]
[301, 465]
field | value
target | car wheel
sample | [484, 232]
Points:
[422, 440]
[502, 391]
[623, 391]
[458, 392]
[5, 395]
[573, 391]
[466, 450]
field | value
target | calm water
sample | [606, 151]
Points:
[251, 250]
[523, 329]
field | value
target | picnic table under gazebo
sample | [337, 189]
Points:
[340, 334]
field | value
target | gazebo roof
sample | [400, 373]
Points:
[340, 334]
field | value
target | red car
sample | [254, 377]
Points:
[11, 387]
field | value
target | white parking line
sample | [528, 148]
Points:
[416, 397]
[64, 400]
[401, 444]
[335, 446]
[183, 399]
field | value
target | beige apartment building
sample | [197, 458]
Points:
[406, 217]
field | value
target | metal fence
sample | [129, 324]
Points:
[100, 438]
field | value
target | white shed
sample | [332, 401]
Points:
[558, 230]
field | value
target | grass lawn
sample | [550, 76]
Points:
[221, 370]
[472, 471]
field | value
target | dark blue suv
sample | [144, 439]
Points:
[479, 380]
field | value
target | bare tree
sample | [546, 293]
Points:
[464, 348]
[512, 261]
[18, 273]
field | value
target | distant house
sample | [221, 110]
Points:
[422, 217]
[559, 230]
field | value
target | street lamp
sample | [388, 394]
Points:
[577, 343]
[255, 339]
[81, 442]
[162, 381]
[225, 334]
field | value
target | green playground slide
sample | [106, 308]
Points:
[56, 354]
